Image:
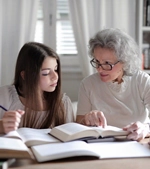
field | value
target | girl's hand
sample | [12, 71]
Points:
[11, 120]
[138, 131]
[94, 118]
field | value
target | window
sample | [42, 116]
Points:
[39, 24]
[64, 37]
[65, 42]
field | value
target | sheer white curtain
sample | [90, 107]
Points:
[17, 26]
[90, 16]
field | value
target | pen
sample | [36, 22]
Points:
[3, 108]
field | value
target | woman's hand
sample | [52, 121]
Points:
[11, 120]
[94, 118]
[138, 131]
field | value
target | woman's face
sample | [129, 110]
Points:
[104, 56]
[48, 75]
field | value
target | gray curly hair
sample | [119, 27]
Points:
[124, 46]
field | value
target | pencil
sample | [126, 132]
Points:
[3, 108]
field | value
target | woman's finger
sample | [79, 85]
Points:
[102, 119]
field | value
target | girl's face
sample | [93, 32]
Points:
[48, 75]
[104, 56]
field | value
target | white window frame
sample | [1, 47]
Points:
[70, 63]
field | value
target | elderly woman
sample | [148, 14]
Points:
[119, 93]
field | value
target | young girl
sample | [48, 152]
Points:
[35, 100]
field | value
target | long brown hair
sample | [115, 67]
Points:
[30, 59]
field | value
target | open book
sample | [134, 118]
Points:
[32, 136]
[103, 150]
[73, 131]
[15, 144]
[14, 148]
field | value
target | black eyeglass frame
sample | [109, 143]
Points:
[98, 65]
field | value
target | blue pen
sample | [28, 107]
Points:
[3, 108]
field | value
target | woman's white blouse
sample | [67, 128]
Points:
[121, 104]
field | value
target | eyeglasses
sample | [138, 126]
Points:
[105, 66]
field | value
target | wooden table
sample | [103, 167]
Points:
[86, 163]
[134, 163]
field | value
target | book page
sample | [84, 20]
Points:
[103, 150]
[13, 148]
[72, 131]
[32, 136]
[13, 144]
[36, 136]
[110, 131]
[48, 152]
[12, 134]
[123, 149]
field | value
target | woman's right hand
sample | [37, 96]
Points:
[94, 118]
[11, 120]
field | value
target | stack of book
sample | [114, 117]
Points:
[69, 140]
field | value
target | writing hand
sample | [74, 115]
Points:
[95, 118]
[11, 120]
[138, 131]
